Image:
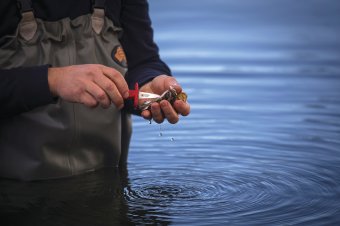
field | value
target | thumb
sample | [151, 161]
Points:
[172, 82]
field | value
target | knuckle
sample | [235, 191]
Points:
[78, 92]
[92, 104]
[94, 71]
[114, 72]
[101, 95]
[119, 102]
[109, 87]
[109, 70]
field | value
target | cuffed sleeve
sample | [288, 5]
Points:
[144, 62]
[23, 89]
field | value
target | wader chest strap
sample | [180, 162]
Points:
[98, 4]
[98, 15]
[28, 25]
[24, 5]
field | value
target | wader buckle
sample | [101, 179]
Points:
[98, 15]
[28, 25]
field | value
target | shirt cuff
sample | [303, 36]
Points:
[25, 89]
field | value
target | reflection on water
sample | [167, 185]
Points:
[92, 199]
[261, 146]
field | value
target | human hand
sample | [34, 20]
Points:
[89, 84]
[159, 111]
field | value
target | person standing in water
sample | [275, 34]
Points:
[66, 69]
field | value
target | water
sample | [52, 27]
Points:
[262, 143]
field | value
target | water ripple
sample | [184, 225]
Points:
[231, 195]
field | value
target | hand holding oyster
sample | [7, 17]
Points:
[169, 95]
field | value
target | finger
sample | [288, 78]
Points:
[162, 83]
[118, 79]
[156, 113]
[88, 100]
[98, 94]
[182, 107]
[146, 114]
[169, 112]
[111, 90]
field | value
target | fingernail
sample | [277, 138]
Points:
[126, 95]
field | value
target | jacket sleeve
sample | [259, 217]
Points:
[22, 89]
[142, 55]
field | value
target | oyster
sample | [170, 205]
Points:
[169, 95]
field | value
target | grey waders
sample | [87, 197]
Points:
[63, 138]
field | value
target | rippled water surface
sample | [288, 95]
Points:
[261, 146]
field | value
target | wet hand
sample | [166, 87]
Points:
[164, 110]
[89, 84]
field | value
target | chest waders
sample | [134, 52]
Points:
[63, 138]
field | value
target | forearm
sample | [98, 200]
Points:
[142, 55]
[23, 89]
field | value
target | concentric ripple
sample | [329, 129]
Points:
[228, 197]
[267, 162]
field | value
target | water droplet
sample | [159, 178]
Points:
[160, 131]
[172, 139]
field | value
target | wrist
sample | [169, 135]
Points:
[52, 80]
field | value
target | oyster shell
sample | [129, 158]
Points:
[169, 95]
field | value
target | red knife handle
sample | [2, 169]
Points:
[135, 95]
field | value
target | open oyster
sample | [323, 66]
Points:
[169, 95]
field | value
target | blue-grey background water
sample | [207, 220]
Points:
[260, 147]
